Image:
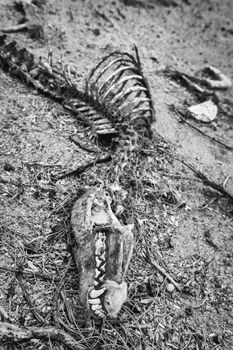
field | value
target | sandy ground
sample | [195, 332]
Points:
[187, 35]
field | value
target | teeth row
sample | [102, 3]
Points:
[99, 262]
[99, 280]
[95, 304]
[100, 259]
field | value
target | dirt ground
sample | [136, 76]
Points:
[191, 236]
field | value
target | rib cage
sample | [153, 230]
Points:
[115, 93]
[117, 85]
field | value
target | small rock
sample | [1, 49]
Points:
[170, 287]
[205, 112]
[159, 278]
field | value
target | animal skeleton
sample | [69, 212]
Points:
[103, 249]
[116, 91]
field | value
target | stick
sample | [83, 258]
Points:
[31, 274]
[82, 145]
[10, 333]
[182, 117]
[165, 273]
[80, 169]
[28, 300]
[199, 174]
[205, 179]
[15, 28]
[5, 315]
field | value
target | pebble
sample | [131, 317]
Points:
[170, 287]
[159, 278]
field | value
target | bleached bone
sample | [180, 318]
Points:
[95, 293]
[99, 246]
[99, 313]
[115, 296]
[97, 273]
[87, 226]
[94, 301]
[96, 307]
[98, 261]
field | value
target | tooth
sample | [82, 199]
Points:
[97, 273]
[101, 279]
[98, 234]
[98, 261]
[94, 301]
[103, 267]
[99, 246]
[102, 314]
[96, 307]
[96, 283]
[102, 256]
[99, 313]
[95, 293]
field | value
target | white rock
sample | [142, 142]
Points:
[170, 287]
[205, 111]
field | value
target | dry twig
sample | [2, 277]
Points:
[28, 299]
[31, 274]
[80, 169]
[10, 333]
[200, 175]
[183, 118]
[164, 272]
